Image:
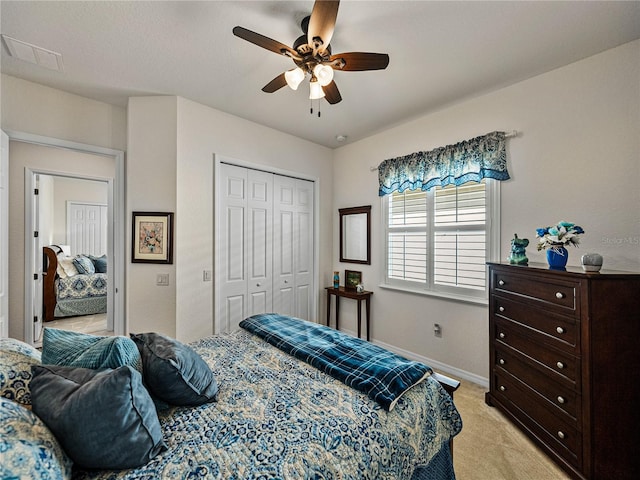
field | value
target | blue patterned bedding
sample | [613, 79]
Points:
[278, 418]
[81, 295]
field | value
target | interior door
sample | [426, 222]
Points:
[87, 228]
[36, 262]
[4, 235]
[231, 267]
[283, 252]
[260, 242]
[303, 248]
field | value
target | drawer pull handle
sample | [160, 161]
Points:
[501, 282]
[560, 330]
[502, 388]
[561, 435]
[559, 295]
[501, 361]
[501, 335]
[561, 399]
[560, 365]
[501, 309]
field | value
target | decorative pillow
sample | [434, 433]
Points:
[28, 449]
[68, 266]
[100, 263]
[174, 372]
[84, 265]
[60, 269]
[16, 359]
[75, 349]
[103, 418]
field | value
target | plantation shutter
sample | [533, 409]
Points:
[407, 236]
[460, 236]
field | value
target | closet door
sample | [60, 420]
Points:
[259, 242]
[293, 247]
[87, 228]
[231, 268]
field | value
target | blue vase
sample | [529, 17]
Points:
[557, 258]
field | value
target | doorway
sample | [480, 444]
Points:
[25, 264]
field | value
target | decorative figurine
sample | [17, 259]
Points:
[591, 262]
[518, 255]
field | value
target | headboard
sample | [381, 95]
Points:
[49, 269]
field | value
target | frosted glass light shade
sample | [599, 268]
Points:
[294, 77]
[315, 90]
[324, 74]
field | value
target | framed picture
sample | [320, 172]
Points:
[352, 278]
[152, 240]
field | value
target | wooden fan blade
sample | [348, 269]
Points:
[359, 61]
[322, 23]
[275, 84]
[265, 42]
[331, 93]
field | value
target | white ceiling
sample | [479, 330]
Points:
[440, 53]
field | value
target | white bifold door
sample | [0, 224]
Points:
[264, 245]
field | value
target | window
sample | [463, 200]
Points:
[439, 241]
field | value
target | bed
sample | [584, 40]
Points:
[72, 286]
[278, 417]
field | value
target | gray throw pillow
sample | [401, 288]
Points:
[174, 372]
[103, 418]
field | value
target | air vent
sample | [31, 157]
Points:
[33, 54]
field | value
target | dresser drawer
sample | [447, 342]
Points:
[559, 396]
[562, 331]
[528, 407]
[554, 294]
[563, 366]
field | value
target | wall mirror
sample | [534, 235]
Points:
[355, 235]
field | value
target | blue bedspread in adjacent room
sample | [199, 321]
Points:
[279, 418]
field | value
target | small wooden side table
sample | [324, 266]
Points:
[348, 293]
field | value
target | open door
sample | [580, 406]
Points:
[4, 236]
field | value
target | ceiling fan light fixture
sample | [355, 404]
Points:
[324, 74]
[315, 89]
[294, 77]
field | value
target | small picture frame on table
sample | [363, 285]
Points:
[352, 278]
[152, 237]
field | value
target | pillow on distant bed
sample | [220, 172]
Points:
[100, 263]
[28, 448]
[66, 263]
[16, 360]
[75, 349]
[174, 372]
[103, 418]
[84, 265]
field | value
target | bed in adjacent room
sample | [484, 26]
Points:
[73, 285]
[275, 416]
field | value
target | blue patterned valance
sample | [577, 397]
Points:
[471, 160]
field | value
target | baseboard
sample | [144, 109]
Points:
[457, 373]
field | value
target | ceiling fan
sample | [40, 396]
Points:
[311, 53]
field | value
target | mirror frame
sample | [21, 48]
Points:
[355, 211]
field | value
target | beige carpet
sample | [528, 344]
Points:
[491, 448]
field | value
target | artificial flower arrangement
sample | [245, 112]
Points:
[560, 235]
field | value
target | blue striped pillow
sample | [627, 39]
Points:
[75, 349]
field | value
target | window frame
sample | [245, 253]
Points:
[492, 251]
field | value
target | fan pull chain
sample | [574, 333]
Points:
[311, 107]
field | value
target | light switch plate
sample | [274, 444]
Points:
[162, 279]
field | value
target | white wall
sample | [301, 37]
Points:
[174, 141]
[576, 159]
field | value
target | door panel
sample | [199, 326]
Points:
[260, 242]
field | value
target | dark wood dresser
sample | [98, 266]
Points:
[565, 364]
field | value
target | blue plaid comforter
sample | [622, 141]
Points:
[381, 374]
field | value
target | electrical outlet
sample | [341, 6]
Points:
[437, 330]
[162, 279]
